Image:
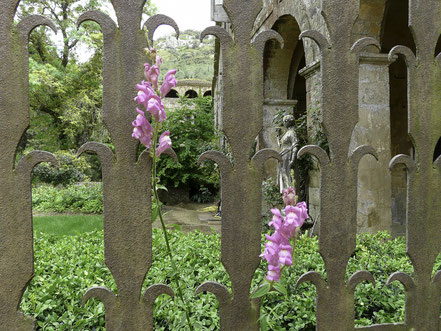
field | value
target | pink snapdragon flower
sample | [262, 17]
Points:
[277, 220]
[156, 108]
[273, 273]
[271, 253]
[164, 143]
[285, 254]
[158, 61]
[148, 97]
[151, 73]
[278, 250]
[145, 93]
[289, 196]
[169, 82]
[303, 210]
[142, 130]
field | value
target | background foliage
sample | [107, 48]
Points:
[71, 169]
[192, 133]
[193, 58]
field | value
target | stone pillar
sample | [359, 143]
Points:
[374, 186]
[374, 183]
[312, 75]
[268, 135]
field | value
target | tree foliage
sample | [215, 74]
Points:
[192, 58]
[65, 83]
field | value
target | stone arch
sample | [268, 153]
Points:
[207, 93]
[277, 61]
[369, 21]
[200, 86]
[285, 88]
[305, 18]
[191, 94]
[395, 31]
[172, 94]
[437, 152]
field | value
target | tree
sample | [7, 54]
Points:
[65, 13]
[65, 94]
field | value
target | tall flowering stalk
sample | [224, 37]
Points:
[279, 248]
[150, 99]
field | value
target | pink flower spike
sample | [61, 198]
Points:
[145, 93]
[164, 143]
[169, 82]
[304, 209]
[278, 238]
[276, 212]
[145, 87]
[146, 70]
[277, 220]
[271, 253]
[296, 214]
[151, 73]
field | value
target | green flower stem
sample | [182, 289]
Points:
[164, 230]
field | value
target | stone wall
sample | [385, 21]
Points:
[199, 86]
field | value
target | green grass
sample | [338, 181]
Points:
[67, 224]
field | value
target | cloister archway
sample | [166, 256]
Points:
[191, 94]
[395, 31]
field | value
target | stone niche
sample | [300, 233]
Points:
[268, 135]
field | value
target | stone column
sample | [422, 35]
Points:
[313, 105]
[374, 178]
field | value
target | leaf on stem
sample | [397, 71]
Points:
[279, 287]
[261, 291]
[155, 212]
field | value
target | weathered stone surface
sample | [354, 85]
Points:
[374, 182]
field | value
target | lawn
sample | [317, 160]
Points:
[67, 224]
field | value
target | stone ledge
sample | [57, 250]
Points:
[365, 58]
[279, 102]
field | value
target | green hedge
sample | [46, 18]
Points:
[82, 197]
[66, 266]
[71, 169]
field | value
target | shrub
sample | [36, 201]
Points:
[71, 169]
[192, 133]
[67, 266]
[83, 198]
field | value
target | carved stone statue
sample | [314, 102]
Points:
[289, 145]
